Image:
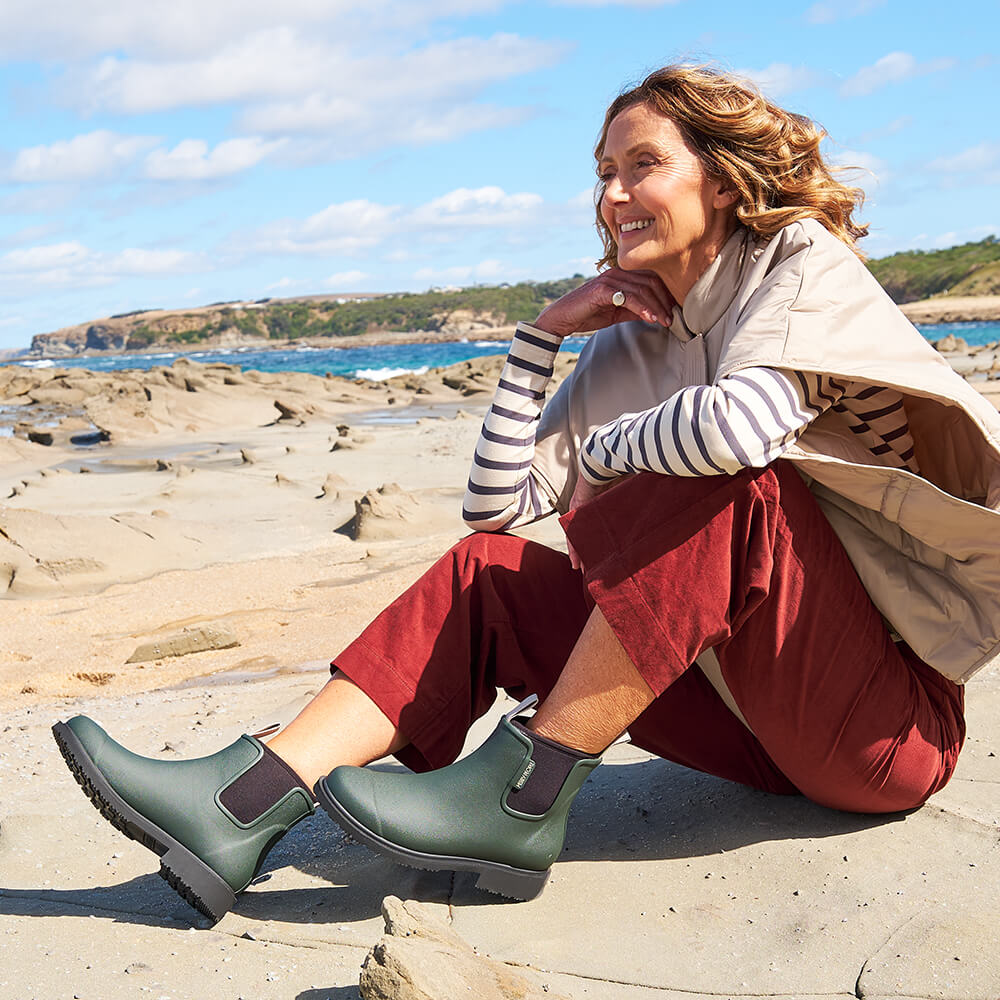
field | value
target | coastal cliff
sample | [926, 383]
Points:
[481, 311]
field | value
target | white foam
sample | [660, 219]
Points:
[37, 364]
[378, 374]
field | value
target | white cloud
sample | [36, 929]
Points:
[280, 64]
[71, 29]
[353, 226]
[133, 261]
[615, 3]
[43, 258]
[346, 279]
[985, 156]
[825, 13]
[83, 157]
[345, 129]
[485, 206]
[347, 227]
[359, 77]
[485, 271]
[284, 282]
[191, 159]
[286, 81]
[779, 79]
[892, 68]
[72, 264]
[976, 165]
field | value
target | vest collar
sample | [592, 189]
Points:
[713, 293]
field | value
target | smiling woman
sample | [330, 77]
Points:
[768, 159]
[782, 512]
[663, 211]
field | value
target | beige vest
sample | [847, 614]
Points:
[927, 547]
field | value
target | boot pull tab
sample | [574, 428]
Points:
[267, 731]
[530, 702]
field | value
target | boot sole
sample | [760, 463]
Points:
[180, 868]
[503, 880]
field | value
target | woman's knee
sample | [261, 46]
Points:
[905, 783]
[487, 547]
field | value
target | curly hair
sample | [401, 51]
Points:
[769, 156]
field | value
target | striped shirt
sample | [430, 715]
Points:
[745, 420]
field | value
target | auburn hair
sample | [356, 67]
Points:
[769, 156]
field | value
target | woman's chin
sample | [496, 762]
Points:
[630, 260]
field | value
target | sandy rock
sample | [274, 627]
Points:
[57, 395]
[354, 441]
[332, 485]
[938, 953]
[87, 384]
[379, 513]
[293, 412]
[422, 958]
[390, 512]
[195, 640]
[466, 386]
[950, 343]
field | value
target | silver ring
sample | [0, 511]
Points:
[618, 298]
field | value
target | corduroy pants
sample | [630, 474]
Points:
[746, 564]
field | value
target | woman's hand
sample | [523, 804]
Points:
[591, 306]
[583, 493]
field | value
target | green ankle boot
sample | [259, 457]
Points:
[211, 820]
[500, 812]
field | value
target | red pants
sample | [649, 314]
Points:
[746, 564]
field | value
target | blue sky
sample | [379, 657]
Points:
[158, 155]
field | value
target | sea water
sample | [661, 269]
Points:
[385, 360]
[376, 362]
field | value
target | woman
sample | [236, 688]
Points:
[781, 509]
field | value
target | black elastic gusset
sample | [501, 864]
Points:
[553, 762]
[256, 790]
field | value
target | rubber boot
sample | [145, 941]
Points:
[211, 820]
[474, 815]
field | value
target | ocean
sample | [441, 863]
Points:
[385, 360]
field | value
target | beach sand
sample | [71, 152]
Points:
[222, 499]
[271, 516]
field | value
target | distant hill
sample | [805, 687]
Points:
[969, 269]
[972, 269]
[454, 312]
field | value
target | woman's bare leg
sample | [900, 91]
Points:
[341, 725]
[599, 693]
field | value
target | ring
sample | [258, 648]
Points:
[618, 298]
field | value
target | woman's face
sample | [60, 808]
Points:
[666, 214]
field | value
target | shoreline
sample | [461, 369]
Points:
[926, 312]
[959, 309]
[500, 334]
